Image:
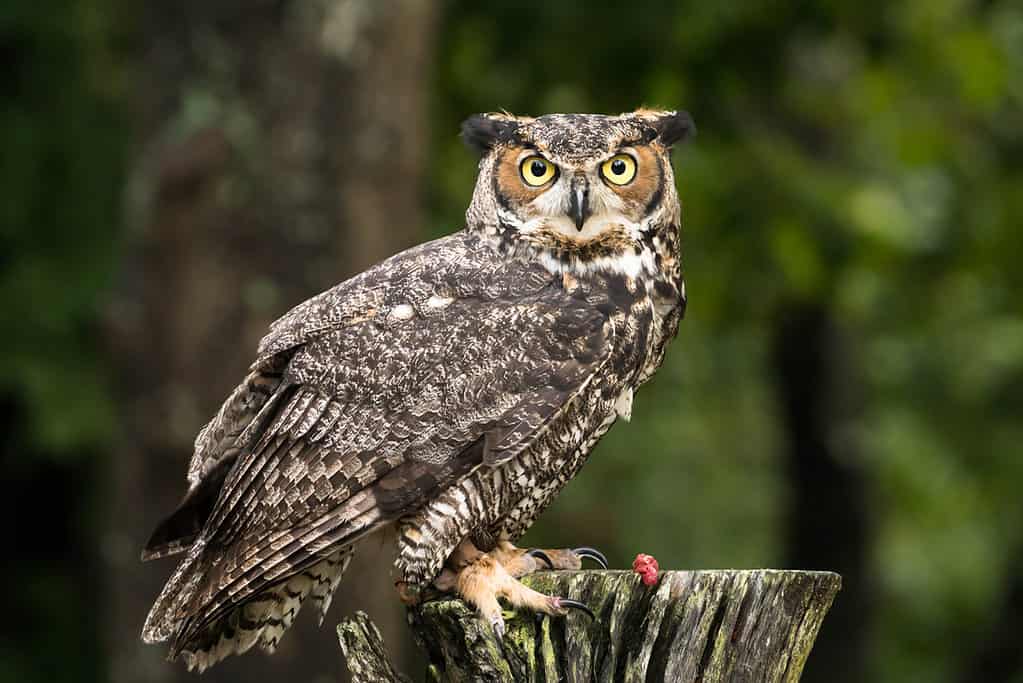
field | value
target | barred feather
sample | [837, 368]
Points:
[264, 618]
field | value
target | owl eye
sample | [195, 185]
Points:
[536, 170]
[619, 169]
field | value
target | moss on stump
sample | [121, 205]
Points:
[724, 625]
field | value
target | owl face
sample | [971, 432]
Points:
[583, 189]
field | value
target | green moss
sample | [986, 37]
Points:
[703, 625]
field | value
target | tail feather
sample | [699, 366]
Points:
[326, 582]
[165, 616]
[264, 618]
[246, 571]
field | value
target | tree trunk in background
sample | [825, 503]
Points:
[278, 152]
[828, 521]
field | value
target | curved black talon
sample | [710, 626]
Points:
[536, 552]
[498, 626]
[593, 554]
[575, 604]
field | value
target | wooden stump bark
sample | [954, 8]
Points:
[724, 625]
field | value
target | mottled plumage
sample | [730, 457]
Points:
[452, 389]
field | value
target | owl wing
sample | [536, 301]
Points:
[450, 369]
[455, 266]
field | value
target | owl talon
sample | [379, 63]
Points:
[539, 554]
[568, 603]
[497, 623]
[564, 558]
[593, 554]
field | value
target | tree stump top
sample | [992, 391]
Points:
[721, 625]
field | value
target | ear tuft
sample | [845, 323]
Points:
[482, 131]
[670, 126]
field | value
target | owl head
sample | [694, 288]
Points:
[580, 191]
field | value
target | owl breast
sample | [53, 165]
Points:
[533, 482]
[503, 501]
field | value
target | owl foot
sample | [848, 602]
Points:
[482, 578]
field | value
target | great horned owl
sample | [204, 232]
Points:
[450, 391]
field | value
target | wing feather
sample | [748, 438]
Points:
[379, 409]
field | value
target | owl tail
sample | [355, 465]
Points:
[261, 620]
[165, 615]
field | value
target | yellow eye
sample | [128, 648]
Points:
[619, 169]
[536, 170]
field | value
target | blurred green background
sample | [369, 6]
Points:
[846, 391]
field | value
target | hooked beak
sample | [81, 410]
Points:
[579, 201]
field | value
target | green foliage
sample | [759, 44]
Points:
[862, 155]
[62, 136]
[61, 133]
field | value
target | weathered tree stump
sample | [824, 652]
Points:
[364, 651]
[725, 625]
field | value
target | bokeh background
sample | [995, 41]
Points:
[846, 391]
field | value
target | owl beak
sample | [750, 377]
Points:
[579, 201]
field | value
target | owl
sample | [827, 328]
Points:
[448, 393]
